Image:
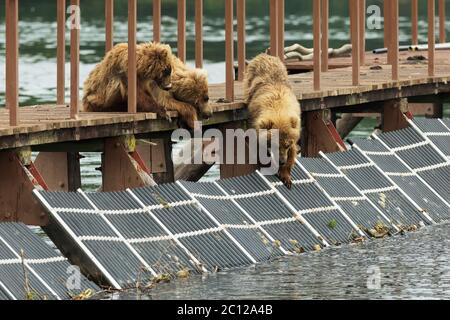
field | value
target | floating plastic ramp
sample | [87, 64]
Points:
[32, 269]
[395, 181]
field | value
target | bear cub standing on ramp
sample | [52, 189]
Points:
[273, 106]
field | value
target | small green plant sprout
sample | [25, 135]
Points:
[332, 224]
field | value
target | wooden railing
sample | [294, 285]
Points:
[277, 16]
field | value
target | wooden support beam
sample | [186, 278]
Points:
[355, 28]
[17, 201]
[229, 50]
[414, 22]
[157, 20]
[281, 11]
[132, 67]
[317, 44]
[192, 172]
[199, 33]
[109, 25]
[387, 25]
[346, 124]
[325, 34]
[362, 32]
[230, 170]
[61, 52]
[75, 60]
[122, 167]
[12, 61]
[241, 12]
[395, 40]
[61, 170]
[319, 135]
[431, 37]
[181, 47]
[274, 28]
[161, 162]
[442, 22]
[394, 115]
[429, 110]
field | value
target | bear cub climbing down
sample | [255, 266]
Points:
[164, 84]
[272, 105]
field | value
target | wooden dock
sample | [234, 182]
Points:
[47, 124]
[137, 147]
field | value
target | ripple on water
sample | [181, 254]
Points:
[414, 266]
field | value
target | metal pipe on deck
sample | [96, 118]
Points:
[431, 37]
[241, 12]
[75, 60]
[61, 52]
[12, 60]
[317, 43]
[157, 20]
[132, 72]
[442, 35]
[273, 28]
[281, 10]
[199, 33]
[415, 22]
[109, 25]
[181, 47]
[325, 34]
[355, 28]
[394, 40]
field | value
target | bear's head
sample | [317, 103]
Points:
[191, 86]
[155, 63]
[288, 129]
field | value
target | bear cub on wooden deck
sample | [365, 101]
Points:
[273, 105]
[164, 84]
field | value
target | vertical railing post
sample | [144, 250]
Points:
[362, 32]
[229, 50]
[61, 52]
[431, 37]
[132, 72]
[442, 35]
[12, 60]
[281, 10]
[241, 50]
[273, 28]
[395, 39]
[199, 33]
[387, 28]
[157, 20]
[355, 27]
[325, 34]
[415, 22]
[109, 25]
[75, 60]
[317, 43]
[182, 30]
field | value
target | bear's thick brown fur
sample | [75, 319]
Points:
[191, 86]
[273, 105]
[106, 87]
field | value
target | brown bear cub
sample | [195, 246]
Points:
[106, 88]
[273, 105]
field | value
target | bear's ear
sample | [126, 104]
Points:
[294, 122]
